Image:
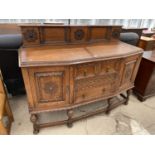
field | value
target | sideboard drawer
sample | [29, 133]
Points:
[85, 70]
[50, 86]
[95, 87]
[110, 66]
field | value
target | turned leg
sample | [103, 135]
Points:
[128, 95]
[70, 116]
[109, 106]
[34, 119]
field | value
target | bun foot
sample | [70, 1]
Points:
[70, 116]
[107, 112]
[35, 131]
[70, 125]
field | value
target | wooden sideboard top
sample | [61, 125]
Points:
[74, 54]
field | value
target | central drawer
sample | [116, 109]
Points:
[96, 80]
[95, 87]
[85, 70]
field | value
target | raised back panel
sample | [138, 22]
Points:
[65, 34]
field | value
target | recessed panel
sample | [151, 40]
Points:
[50, 86]
[53, 35]
[99, 33]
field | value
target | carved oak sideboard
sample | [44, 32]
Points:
[65, 67]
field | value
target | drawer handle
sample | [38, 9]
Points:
[103, 90]
[84, 73]
[107, 69]
[83, 96]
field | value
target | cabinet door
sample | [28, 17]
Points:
[50, 86]
[129, 71]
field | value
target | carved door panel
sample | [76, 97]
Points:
[129, 71]
[50, 86]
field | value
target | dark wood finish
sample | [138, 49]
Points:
[145, 80]
[93, 66]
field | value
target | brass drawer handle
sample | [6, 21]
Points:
[107, 69]
[103, 90]
[84, 73]
[83, 96]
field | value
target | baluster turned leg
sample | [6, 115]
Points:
[128, 95]
[70, 116]
[109, 106]
[34, 119]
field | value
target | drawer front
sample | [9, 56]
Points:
[95, 87]
[110, 66]
[50, 86]
[85, 70]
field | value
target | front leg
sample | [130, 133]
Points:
[34, 119]
[109, 106]
[128, 95]
[70, 116]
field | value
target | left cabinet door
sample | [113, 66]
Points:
[50, 86]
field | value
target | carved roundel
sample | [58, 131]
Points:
[116, 33]
[31, 35]
[50, 88]
[79, 34]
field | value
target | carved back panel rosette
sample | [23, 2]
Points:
[38, 35]
[79, 34]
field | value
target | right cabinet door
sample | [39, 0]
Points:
[129, 68]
